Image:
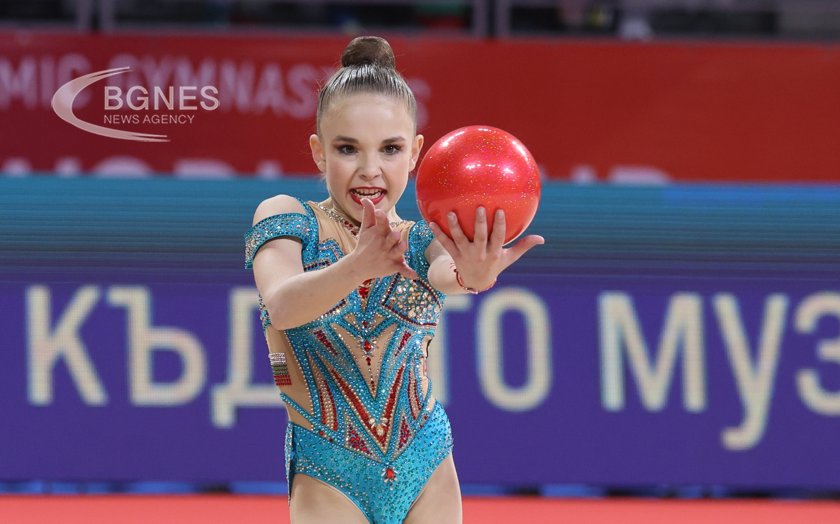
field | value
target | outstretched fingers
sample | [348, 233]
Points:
[444, 240]
[455, 230]
[480, 236]
[497, 237]
[516, 251]
[368, 214]
[398, 254]
[382, 221]
[394, 241]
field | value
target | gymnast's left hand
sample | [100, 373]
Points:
[481, 260]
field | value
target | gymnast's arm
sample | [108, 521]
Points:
[294, 297]
[291, 296]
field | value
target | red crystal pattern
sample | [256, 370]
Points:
[355, 441]
[355, 402]
[322, 338]
[413, 399]
[405, 434]
[364, 414]
[392, 396]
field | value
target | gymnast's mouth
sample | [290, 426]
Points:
[374, 194]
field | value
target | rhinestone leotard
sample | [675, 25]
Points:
[371, 429]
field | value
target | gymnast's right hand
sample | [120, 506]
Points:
[380, 249]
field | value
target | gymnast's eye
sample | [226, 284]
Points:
[345, 149]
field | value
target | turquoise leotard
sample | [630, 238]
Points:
[374, 433]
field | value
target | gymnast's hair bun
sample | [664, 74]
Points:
[368, 50]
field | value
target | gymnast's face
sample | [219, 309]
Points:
[366, 148]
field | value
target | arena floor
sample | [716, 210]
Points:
[224, 509]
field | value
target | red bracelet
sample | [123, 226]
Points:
[470, 290]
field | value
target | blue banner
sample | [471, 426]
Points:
[671, 335]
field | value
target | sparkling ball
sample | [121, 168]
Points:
[479, 166]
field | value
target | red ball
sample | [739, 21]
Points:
[479, 166]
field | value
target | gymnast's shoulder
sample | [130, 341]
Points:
[277, 205]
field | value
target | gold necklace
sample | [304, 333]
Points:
[343, 220]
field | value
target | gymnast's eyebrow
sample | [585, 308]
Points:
[351, 140]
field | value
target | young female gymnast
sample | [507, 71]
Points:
[350, 297]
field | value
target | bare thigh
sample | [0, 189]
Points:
[316, 502]
[440, 500]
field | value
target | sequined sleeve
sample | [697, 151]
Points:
[419, 239]
[293, 225]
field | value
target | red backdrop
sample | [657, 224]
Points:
[586, 110]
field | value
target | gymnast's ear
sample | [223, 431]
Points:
[416, 146]
[318, 152]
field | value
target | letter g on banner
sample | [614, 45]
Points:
[62, 104]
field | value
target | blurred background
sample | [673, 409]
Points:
[808, 20]
[678, 336]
